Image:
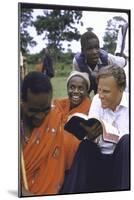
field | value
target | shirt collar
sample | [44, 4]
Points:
[124, 101]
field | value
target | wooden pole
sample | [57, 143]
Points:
[24, 171]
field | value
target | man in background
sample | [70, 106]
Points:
[48, 64]
[122, 49]
[92, 58]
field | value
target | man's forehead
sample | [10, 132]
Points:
[41, 98]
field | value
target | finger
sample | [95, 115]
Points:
[86, 128]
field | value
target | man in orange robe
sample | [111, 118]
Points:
[47, 150]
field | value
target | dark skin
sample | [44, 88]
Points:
[92, 52]
[94, 131]
[34, 111]
[77, 91]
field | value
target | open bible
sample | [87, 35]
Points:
[73, 125]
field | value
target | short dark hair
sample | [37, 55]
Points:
[86, 37]
[117, 72]
[37, 82]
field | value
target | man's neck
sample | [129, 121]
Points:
[27, 127]
[92, 66]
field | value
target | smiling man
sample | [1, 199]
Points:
[112, 105]
[92, 58]
[46, 152]
[100, 165]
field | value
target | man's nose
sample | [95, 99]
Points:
[101, 95]
[76, 90]
[95, 50]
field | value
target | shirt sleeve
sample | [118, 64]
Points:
[95, 107]
[75, 65]
[117, 60]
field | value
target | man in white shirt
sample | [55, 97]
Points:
[100, 165]
[112, 105]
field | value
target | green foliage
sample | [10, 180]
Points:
[111, 33]
[25, 38]
[62, 67]
[110, 42]
[33, 59]
[58, 26]
[59, 87]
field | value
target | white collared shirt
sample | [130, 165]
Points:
[119, 118]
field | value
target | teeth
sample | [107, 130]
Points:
[75, 97]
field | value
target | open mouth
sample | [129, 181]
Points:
[76, 99]
[95, 58]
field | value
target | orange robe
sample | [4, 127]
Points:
[64, 107]
[48, 154]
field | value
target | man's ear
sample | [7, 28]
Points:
[23, 106]
[121, 89]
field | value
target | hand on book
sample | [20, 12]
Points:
[93, 131]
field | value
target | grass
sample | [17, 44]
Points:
[59, 87]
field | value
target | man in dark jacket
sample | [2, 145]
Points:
[92, 58]
[48, 64]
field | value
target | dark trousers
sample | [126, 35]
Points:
[92, 171]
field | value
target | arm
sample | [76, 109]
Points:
[119, 42]
[95, 108]
[94, 131]
[75, 65]
[117, 60]
[95, 111]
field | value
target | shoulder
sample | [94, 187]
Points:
[60, 104]
[96, 101]
[104, 56]
[121, 61]
[79, 55]
[125, 99]
[95, 108]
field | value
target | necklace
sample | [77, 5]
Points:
[25, 138]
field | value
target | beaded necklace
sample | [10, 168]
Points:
[25, 138]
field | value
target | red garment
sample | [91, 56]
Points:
[48, 154]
